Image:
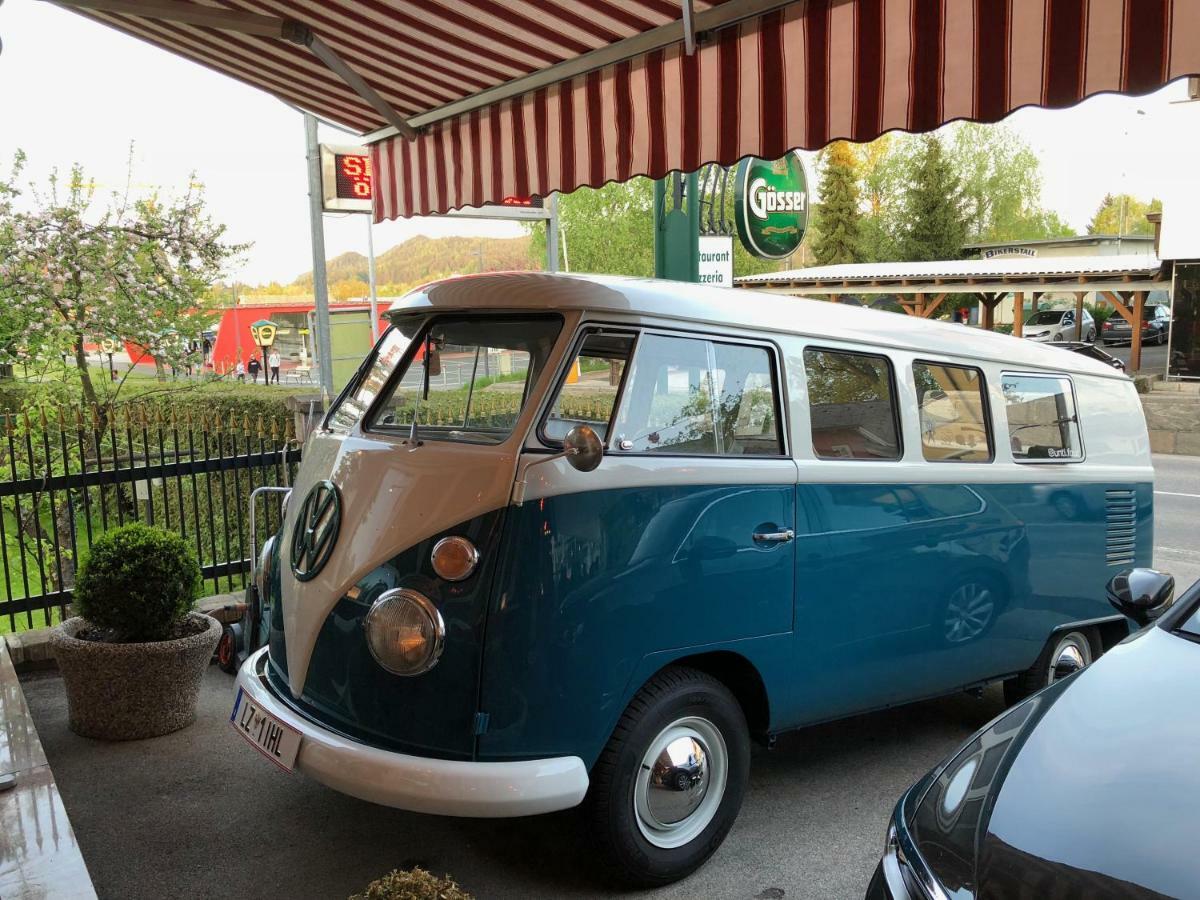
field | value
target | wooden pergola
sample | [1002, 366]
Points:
[922, 288]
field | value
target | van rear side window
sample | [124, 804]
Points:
[953, 413]
[1042, 423]
[852, 403]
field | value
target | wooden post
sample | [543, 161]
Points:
[1079, 295]
[1019, 314]
[920, 305]
[1037, 295]
[1135, 343]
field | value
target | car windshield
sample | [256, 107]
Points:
[1045, 317]
[465, 378]
[1191, 625]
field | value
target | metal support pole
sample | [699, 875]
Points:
[552, 233]
[371, 278]
[323, 344]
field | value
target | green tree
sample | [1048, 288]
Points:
[838, 217]
[77, 272]
[608, 229]
[881, 163]
[1123, 214]
[932, 222]
[1001, 182]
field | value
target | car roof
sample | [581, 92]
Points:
[738, 309]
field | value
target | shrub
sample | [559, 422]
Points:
[138, 581]
[416, 884]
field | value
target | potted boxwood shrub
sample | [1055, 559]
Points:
[133, 658]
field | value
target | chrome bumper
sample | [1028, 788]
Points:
[417, 783]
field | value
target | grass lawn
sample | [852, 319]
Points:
[22, 620]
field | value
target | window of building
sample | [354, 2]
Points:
[953, 413]
[1042, 422]
[692, 396]
[852, 405]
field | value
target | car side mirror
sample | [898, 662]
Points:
[583, 448]
[1141, 594]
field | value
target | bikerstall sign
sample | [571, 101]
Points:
[771, 205]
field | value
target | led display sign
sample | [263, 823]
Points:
[346, 182]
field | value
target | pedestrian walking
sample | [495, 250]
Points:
[240, 371]
[273, 362]
[254, 368]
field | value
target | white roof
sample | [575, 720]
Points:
[744, 309]
[1000, 267]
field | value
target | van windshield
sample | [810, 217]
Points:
[466, 378]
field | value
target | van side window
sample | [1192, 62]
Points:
[953, 413]
[589, 390]
[746, 404]
[697, 397]
[1042, 423]
[852, 403]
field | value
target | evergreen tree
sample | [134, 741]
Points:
[838, 217]
[933, 224]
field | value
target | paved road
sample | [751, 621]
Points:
[198, 814]
[1177, 517]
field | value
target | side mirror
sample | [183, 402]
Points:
[583, 448]
[1141, 594]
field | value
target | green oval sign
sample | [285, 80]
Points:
[771, 205]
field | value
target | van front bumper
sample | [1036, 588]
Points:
[417, 783]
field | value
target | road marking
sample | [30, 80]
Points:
[1177, 494]
[1176, 551]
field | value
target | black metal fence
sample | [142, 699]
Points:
[68, 475]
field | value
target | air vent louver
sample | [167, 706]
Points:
[1120, 533]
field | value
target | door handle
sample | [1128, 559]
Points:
[774, 537]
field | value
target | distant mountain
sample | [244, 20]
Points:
[421, 259]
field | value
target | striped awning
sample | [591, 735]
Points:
[502, 98]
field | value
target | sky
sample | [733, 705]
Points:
[75, 91]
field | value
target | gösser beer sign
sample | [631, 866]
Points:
[346, 183]
[771, 205]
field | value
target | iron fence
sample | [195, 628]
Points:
[70, 474]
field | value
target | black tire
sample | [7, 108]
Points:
[1091, 338]
[1038, 675]
[675, 694]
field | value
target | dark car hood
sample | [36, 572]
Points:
[1093, 783]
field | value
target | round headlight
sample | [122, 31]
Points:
[454, 558]
[405, 632]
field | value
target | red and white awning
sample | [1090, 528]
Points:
[519, 97]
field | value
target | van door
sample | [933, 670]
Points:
[682, 538]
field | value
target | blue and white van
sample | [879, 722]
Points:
[571, 538]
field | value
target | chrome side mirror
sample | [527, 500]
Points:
[1141, 594]
[583, 448]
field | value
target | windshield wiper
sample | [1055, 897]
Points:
[1069, 420]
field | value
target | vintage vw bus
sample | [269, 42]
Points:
[567, 538]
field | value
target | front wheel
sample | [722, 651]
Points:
[669, 785]
[1065, 654]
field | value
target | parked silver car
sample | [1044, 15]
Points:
[1059, 325]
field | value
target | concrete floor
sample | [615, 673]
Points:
[200, 814]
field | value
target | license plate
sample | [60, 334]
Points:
[273, 739]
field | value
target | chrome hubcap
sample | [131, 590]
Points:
[1072, 654]
[680, 783]
[968, 613]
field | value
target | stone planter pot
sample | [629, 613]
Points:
[123, 692]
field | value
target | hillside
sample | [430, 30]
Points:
[421, 258]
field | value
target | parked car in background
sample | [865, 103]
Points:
[1156, 327]
[1088, 788]
[1059, 325]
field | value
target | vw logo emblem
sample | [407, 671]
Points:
[316, 531]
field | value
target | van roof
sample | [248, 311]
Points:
[739, 308]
